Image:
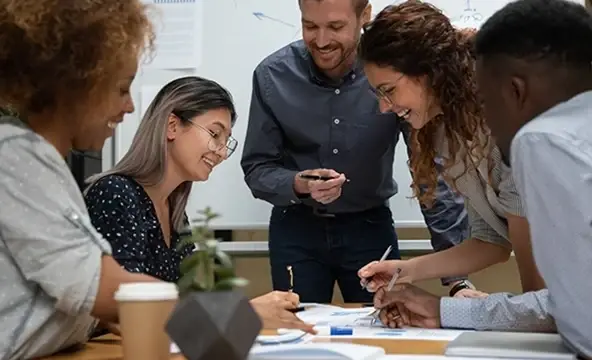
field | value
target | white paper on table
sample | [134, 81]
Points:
[179, 35]
[336, 316]
[317, 351]
[426, 357]
[363, 326]
[376, 332]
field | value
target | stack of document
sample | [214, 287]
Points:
[325, 351]
[509, 345]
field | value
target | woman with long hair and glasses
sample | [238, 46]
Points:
[139, 204]
[422, 69]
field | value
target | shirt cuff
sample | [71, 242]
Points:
[458, 313]
[287, 188]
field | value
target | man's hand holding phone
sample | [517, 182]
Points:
[323, 185]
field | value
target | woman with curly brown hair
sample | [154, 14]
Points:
[422, 69]
[66, 70]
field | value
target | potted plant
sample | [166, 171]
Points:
[213, 319]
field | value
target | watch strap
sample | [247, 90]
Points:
[464, 284]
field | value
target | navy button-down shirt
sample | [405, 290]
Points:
[300, 119]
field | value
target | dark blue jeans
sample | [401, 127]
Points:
[322, 250]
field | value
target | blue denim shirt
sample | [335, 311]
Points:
[300, 119]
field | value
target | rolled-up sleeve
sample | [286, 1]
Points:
[262, 161]
[499, 312]
[508, 197]
[47, 234]
[481, 230]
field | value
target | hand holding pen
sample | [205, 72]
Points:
[291, 289]
[323, 185]
[379, 273]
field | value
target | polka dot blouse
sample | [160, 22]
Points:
[123, 213]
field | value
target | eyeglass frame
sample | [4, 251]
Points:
[381, 95]
[229, 140]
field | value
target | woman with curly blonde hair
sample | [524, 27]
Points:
[421, 68]
[66, 70]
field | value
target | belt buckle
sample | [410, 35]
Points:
[320, 213]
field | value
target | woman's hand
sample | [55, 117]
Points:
[274, 311]
[470, 293]
[379, 273]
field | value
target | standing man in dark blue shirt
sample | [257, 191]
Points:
[313, 113]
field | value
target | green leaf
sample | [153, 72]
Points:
[188, 282]
[190, 262]
[229, 284]
[223, 273]
[200, 271]
[224, 259]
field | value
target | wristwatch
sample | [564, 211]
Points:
[463, 284]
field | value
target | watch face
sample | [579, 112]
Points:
[468, 284]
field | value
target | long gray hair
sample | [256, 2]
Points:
[145, 161]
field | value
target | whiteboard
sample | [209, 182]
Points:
[232, 37]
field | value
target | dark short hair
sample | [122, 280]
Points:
[533, 30]
[359, 5]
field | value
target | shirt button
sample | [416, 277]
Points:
[337, 91]
[336, 121]
[335, 151]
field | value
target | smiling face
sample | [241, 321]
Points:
[100, 122]
[196, 146]
[406, 96]
[331, 30]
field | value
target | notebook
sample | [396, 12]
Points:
[317, 351]
[509, 345]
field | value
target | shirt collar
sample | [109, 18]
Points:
[318, 77]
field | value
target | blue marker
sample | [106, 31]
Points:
[334, 330]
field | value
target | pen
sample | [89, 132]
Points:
[289, 268]
[393, 280]
[297, 310]
[291, 289]
[386, 253]
[317, 177]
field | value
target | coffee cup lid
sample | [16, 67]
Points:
[147, 291]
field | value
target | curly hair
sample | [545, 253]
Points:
[57, 54]
[417, 39]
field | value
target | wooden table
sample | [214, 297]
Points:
[108, 347]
